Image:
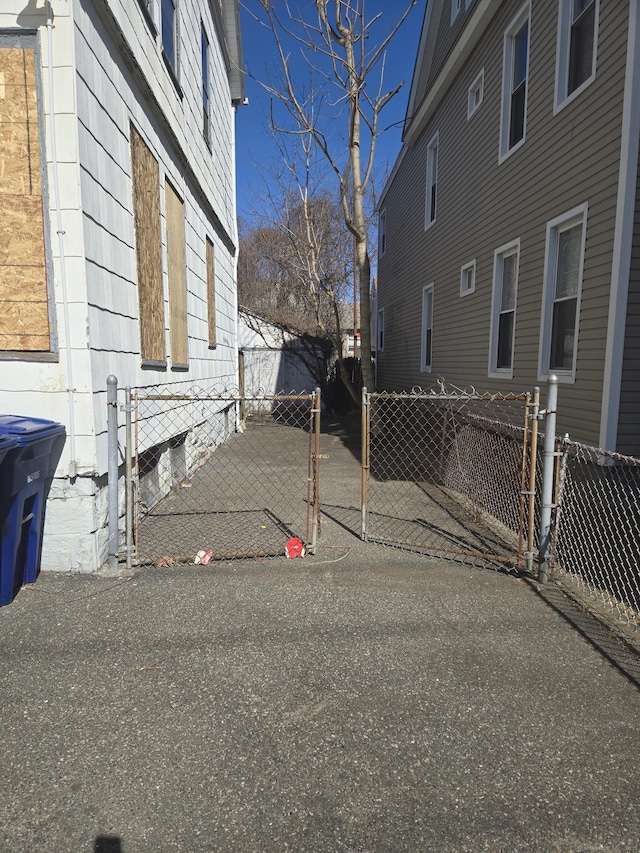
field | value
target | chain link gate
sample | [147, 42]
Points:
[452, 473]
[221, 473]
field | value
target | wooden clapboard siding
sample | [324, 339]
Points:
[211, 293]
[24, 305]
[176, 266]
[146, 203]
[568, 159]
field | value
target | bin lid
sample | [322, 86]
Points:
[25, 429]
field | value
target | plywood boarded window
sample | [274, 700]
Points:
[146, 207]
[211, 294]
[176, 266]
[24, 303]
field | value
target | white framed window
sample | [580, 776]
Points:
[382, 232]
[432, 182]
[456, 8]
[380, 331]
[577, 48]
[513, 121]
[475, 95]
[562, 290]
[506, 262]
[426, 348]
[468, 278]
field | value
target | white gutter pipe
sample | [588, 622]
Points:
[73, 464]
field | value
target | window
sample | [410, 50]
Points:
[146, 211]
[564, 262]
[169, 33]
[24, 294]
[427, 329]
[211, 294]
[382, 233]
[432, 182]
[503, 309]
[380, 331]
[468, 278]
[177, 274]
[205, 84]
[577, 43]
[514, 83]
[476, 94]
[456, 8]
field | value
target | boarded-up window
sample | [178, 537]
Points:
[146, 206]
[176, 266]
[211, 294]
[24, 304]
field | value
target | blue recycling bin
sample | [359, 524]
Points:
[33, 447]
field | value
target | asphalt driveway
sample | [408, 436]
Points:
[360, 700]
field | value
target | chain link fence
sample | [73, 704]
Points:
[222, 474]
[596, 547]
[449, 471]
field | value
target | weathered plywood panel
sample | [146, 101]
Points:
[146, 204]
[176, 265]
[211, 294]
[24, 308]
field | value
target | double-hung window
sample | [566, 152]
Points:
[432, 182]
[515, 83]
[426, 349]
[475, 94]
[577, 47]
[456, 8]
[561, 296]
[503, 309]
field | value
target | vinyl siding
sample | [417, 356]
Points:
[566, 160]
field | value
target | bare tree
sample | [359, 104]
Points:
[335, 39]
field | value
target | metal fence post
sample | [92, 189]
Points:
[112, 468]
[548, 478]
[128, 408]
[365, 462]
[316, 470]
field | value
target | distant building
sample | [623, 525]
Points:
[510, 226]
[117, 223]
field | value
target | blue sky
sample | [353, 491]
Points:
[254, 148]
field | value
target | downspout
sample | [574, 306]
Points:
[73, 465]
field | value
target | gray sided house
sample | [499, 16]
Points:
[510, 226]
[117, 224]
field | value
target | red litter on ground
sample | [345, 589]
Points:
[294, 548]
[203, 557]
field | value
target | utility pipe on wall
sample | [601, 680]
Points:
[73, 464]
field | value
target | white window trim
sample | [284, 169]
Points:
[434, 143]
[382, 232]
[501, 252]
[569, 219]
[562, 56]
[380, 327]
[426, 368]
[476, 85]
[456, 7]
[505, 112]
[470, 266]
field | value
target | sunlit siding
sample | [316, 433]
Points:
[567, 160]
